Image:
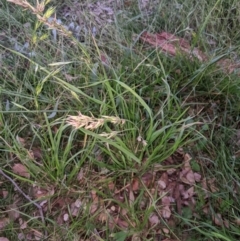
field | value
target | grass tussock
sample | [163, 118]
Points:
[104, 136]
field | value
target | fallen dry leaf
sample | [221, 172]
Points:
[188, 193]
[217, 219]
[36, 153]
[166, 212]
[37, 235]
[147, 179]
[4, 239]
[228, 65]
[21, 236]
[153, 219]
[135, 184]
[23, 224]
[20, 170]
[13, 212]
[43, 194]
[93, 208]
[4, 222]
[163, 182]
[172, 44]
[170, 171]
[165, 230]
[187, 176]
[103, 217]
[166, 201]
[121, 223]
[96, 202]
[75, 207]
[197, 177]
[190, 177]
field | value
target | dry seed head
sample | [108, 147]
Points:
[109, 135]
[91, 123]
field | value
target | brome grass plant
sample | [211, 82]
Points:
[106, 137]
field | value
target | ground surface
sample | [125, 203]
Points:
[119, 120]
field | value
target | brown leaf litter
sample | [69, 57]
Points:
[21, 170]
[173, 183]
[173, 45]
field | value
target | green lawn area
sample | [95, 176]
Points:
[120, 120]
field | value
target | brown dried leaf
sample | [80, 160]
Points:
[111, 223]
[4, 222]
[190, 177]
[170, 171]
[228, 65]
[96, 202]
[121, 223]
[93, 208]
[21, 236]
[94, 196]
[165, 230]
[4, 239]
[163, 182]
[166, 212]
[43, 194]
[217, 219]
[135, 184]
[23, 224]
[172, 44]
[212, 185]
[147, 179]
[197, 177]
[166, 201]
[153, 219]
[74, 210]
[20, 170]
[36, 153]
[103, 217]
[37, 234]
[188, 193]
[13, 212]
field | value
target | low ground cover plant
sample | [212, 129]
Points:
[119, 120]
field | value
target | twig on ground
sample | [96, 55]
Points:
[27, 197]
